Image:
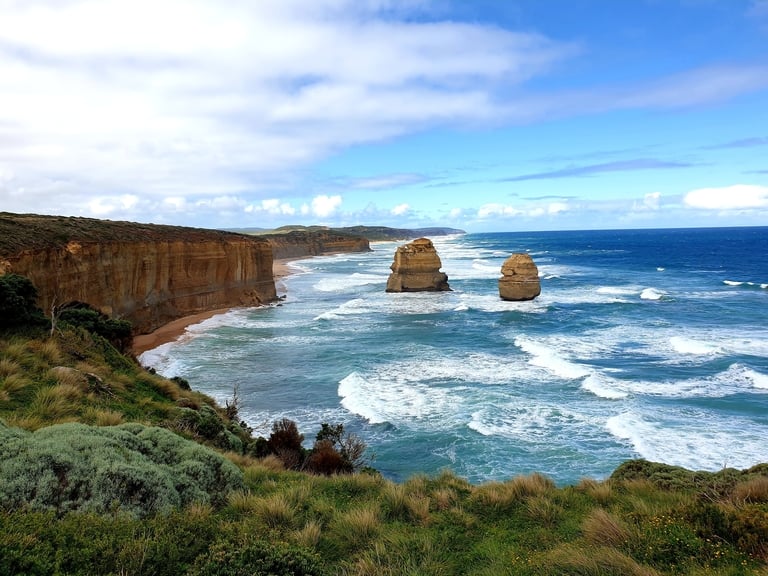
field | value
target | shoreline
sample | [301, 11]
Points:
[175, 329]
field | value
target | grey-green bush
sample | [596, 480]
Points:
[131, 468]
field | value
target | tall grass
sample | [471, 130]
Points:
[602, 528]
[596, 561]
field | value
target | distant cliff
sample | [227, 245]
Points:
[148, 274]
[371, 233]
[314, 242]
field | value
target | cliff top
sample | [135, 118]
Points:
[20, 232]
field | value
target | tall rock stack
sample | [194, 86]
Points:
[520, 278]
[417, 269]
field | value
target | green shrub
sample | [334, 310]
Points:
[18, 302]
[258, 559]
[133, 468]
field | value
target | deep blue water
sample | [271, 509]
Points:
[643, 343]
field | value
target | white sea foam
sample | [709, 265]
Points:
[604, 387]
[758, 380]
[341, 283]
[618, 290]
[652, 294]
[732, 283]
[684, 345]
[549, 359]
[660, 269]
[492, 303]
[736, 379]
[696, 439]
[379, 401]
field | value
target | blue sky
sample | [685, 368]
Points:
[489, 115]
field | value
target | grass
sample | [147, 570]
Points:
[647, 519]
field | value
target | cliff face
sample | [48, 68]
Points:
[417, 269]
[152, 275]
[298, 244]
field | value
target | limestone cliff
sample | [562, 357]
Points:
[144, 273]
[301, 243]
[417, 269]
[520, 278]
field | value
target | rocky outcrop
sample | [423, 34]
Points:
[417, 269]
[143, 273]
[298, 244]
[520, 278]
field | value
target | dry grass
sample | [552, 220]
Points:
[754, 490]
[243, 501]
[602, 528]
[544, 510]
[9, 367]
[309, 536]
[104, 417]
[601, 492]
[48, 350]
[400, 504]
[444, 498]
[54, 403]
[359, 525]
[272, 463]
[167, 388]
[67, 376]
[276, 511]
[575, 561]
[13, 384]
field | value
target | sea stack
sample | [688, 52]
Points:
[417, 269]
[520, 278]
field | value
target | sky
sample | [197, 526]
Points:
[484, 115]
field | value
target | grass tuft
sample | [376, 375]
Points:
[309, 536]
[575, 561]
[276, 511]
[9, 367]
[601, 492]
[754, 490]
[604, 529]
[359, 525]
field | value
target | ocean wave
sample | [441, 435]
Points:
[604, 387]
[683, 345]
[697, 439]
[380, 401]
[652, 294]
[551, 360]
[340, 283]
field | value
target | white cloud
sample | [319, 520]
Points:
[651, 201]
[324, 206]
[495, 210]
[736, 197]
[271, 206]
[400, 209]
[208, 99]
[557, 207]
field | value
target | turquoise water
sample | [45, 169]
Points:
[646, 343]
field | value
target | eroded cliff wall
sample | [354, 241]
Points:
[298, 244]
[147, 274]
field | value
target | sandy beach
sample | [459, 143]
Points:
[174, 330]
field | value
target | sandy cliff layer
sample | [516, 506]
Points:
[147, 274]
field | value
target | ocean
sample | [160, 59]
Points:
[643, 344]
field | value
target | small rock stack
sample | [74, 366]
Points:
[520, 278]
[417, 269]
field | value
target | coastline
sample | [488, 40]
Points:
[175, 329]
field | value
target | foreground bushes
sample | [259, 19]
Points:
[132, 468]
